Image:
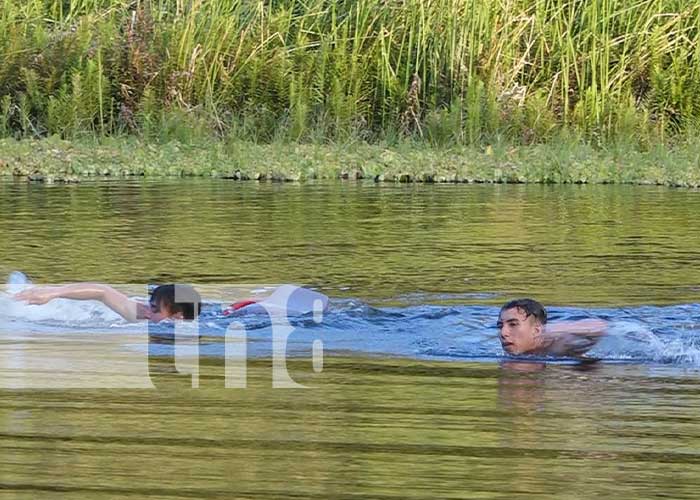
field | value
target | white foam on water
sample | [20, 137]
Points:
[60, 311]
[628, 340]
[17, 282]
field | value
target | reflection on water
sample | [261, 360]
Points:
[566, 245]
[417, 269]
[368, 428]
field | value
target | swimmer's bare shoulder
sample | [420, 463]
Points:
[571, 338]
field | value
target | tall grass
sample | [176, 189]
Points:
[446, 71]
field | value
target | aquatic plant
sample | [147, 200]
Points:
[56, 160]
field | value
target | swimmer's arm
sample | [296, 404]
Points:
[572, 338]
[128, 309]
[591, 326]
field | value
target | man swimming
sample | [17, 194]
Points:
[523, 329]
[166, 301]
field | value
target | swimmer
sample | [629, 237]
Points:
[291, 299]
[162, 304]
[523, 329]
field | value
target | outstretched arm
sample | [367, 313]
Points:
[572, 338]
[129, 309]
[584, 326]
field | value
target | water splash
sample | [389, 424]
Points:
[647, 334]
[57, 313]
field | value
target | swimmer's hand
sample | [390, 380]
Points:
[572, 338]
[37, 295]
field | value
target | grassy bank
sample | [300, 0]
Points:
[444, 72]
[56, 160]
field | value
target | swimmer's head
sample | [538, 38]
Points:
[520, 324]
[176, 301]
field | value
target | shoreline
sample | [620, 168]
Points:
[54, 160]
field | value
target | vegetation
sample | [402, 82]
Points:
[56, 160]
[596, 91]
[445, 71]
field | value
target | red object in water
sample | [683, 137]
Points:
[242, 303]
[238, 305]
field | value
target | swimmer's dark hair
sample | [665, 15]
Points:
[189, 301]
[530, 307]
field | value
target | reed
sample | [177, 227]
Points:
[444, 71]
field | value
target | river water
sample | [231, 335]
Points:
[415, 398]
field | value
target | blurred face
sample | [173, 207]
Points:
[519, 332]
[161, 311]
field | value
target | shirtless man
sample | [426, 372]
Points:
[162, 303]
[523, 329]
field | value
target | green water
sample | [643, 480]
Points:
[366, 427]
[605, 245]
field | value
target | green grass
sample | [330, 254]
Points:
[57, 160]
[447, 73]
